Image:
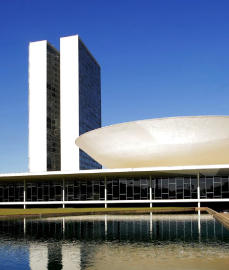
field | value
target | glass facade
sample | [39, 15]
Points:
[53, 109]
[76, 190]
[89, 100]
[214, 187]
[44, 191]
[128, 189]
[171, 188]
[11, 192]
[174, 188]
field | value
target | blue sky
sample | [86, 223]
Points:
[159, 58]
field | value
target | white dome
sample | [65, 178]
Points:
[176, 141]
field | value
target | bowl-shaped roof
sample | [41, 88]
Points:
[177, 141]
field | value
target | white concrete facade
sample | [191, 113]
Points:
[37, 106]
[69, 102]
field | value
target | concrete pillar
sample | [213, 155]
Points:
[105, 192]
[24, 193]
[150, 190]
[63, 192]
[198, 189]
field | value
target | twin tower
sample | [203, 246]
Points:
[64, 102]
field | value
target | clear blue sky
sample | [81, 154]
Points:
[159, 58]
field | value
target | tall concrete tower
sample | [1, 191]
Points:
[64, 102]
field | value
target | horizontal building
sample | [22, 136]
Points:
[182, 185]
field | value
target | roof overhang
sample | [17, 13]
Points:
[205, 170]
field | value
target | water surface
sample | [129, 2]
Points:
[115, 242]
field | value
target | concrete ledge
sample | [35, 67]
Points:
[220, 217]
[108, 211]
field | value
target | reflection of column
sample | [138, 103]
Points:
[71, 257]
[63, 226]
[54, 256]
[151, 225]
[38, 256]
[63, 192]
[150, 190]
[199, 225]
[24, 226]
[105, 193]
[24, 193]
[157, 229]
[214, 227]
[105, 226]
[169, 227]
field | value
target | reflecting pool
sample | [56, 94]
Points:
[115, 242]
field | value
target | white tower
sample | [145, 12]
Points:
[64, 102]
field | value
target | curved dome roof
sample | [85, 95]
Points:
[175, 141]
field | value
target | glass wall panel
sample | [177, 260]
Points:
[193, 184]
[78, 190]
[158, 187]
[217, 189]
[172, 192]
[122, 186]
[225, 185]
[11, 192]
[187, 189]
[165, 186]
[202, 188]
[89, 101]
[209, 184]
[44, 191]
[130, 189]
[152, 185]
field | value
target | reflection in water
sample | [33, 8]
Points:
[127, 242]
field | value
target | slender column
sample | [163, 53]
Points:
[63, 192]
[24, 193]
[150, 190]
[105, 193]
[198, 189]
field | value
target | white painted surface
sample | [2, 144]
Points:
[117, 202]
[69, 102]
[38, 256]
[37, 106]
[207, 170]
[177, 141]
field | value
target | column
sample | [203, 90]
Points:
[198, 189]
[105, 193]
[150, 190]
[24, 193]
[63, 192]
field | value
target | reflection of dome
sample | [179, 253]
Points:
[177, 141]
